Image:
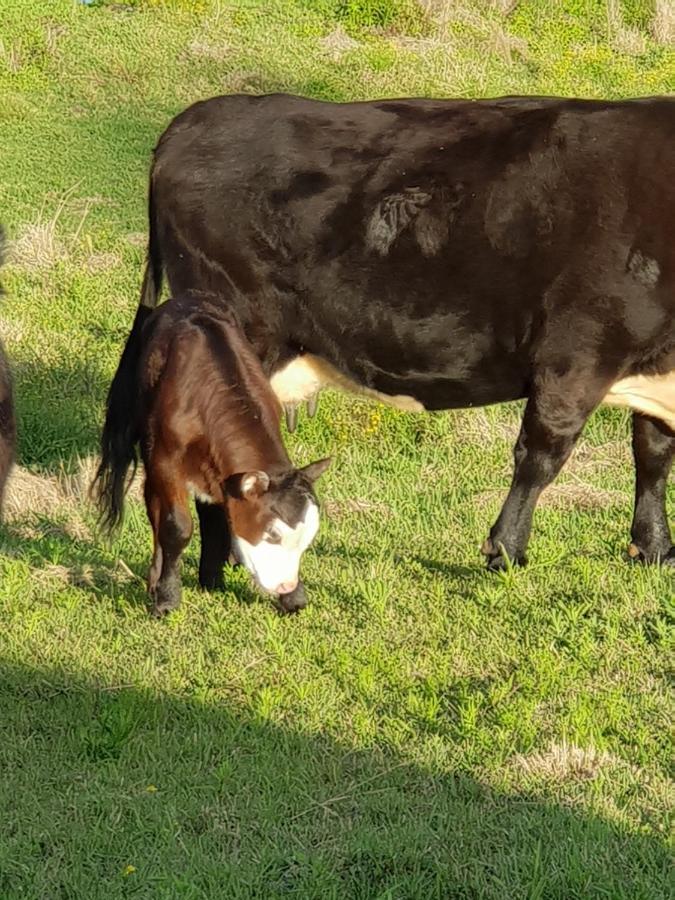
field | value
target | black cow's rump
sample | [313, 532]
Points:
[440, 254]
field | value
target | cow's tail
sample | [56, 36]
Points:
[120, 431]
[7, 417]
[154, 266]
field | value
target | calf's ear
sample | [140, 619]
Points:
[247, 485]
[315, 470]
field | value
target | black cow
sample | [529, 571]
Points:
[437, 254]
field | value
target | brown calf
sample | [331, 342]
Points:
[207, 424]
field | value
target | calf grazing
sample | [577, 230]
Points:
[207, 423]
[444, 253]
[7, 420]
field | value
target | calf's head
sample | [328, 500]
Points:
[274, 518]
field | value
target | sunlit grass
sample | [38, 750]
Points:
[423, 729]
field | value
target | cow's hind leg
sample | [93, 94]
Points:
[653, 451]
[216, 544]
[554, 418]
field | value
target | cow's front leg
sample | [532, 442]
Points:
[554, 418]
[653, 451]
[216, 545]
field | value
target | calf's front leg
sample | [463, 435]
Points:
[172, 529]
[216, 545]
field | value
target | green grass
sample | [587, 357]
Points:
[423, 729]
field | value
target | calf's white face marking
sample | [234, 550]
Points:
[274, 562]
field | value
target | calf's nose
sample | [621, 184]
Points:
[287, 587]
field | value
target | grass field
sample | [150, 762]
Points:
[424, 729]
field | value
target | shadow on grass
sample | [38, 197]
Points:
[449, 570]
[59, 408]
[109, 791]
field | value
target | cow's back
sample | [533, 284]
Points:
[423, 239]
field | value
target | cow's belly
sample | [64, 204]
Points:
[305, 376]
[653, 395]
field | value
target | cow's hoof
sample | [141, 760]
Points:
[652, 557]
[166, 597]
[497, 559]
[211, 581]
[501, 563]
[293, 602]
[160, 609]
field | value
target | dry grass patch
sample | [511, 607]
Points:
[202, 47]
[587, 459]
[663, 25]
[566, 495]
[505, 7]
[477, 426]
[28, 493]
[338, 43]
[243, 82]
[37, 247]
[624, 38]
[445, 12]
[12, 332]
[11, 56]
[564, 762]
[579, 495]
[83, 575]
[54, 31]
[506, 45]
[101, 262]
[442, 11]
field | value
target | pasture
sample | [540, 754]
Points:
[424, 729]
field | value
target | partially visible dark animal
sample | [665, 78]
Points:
[207, 423]
[437, 254]
[7, 419]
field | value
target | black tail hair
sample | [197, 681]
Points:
[120, 432]
[152, 277]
